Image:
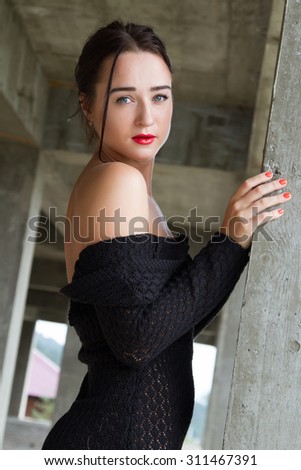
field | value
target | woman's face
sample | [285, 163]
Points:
[140, 106]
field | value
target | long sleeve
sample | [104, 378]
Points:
[141, 322]
[189, 299]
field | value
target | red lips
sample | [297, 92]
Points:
[144, 139]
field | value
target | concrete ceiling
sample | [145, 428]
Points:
[216, 46]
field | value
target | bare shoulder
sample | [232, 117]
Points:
[108, 173]
[119, 171]
[112, 198]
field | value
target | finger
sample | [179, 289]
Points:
[270, 201]
[267, 216]
[251, 183]
[257, 207]
[262, 190]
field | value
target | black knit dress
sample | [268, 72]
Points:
[136, 303]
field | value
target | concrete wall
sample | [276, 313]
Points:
[264, 409]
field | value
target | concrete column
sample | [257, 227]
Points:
[230, 316]
[221, 386]
[264, 408]
[72, 374]
[20, 195]
[21, 367]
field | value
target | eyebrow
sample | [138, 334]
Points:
[131, 88]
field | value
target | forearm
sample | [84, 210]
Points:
[189, 299]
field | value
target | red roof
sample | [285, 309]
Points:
[43, 376]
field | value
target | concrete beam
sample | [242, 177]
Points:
[48, 300]
[264, 410]
[48, 274]
[47, 252]
[245, 49]
[23, 86]
[226, 37]
[182, 191]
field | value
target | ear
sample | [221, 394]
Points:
[82, 98]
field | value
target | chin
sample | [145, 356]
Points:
[143, 153]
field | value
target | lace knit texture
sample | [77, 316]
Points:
[136, 303]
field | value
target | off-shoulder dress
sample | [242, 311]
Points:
[136, 303]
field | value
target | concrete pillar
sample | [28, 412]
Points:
[264, 409]
[230, 316]
[21, 367]
[72, 374]
[20, 194]
[221, 385]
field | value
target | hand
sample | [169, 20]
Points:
[247, 207]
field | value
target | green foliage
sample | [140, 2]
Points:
[50, 348]
[43, 409]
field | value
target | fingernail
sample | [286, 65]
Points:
[286, 195]
[268, 174]
[280, 211]
[283, 181]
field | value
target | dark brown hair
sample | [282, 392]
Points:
[111, 41]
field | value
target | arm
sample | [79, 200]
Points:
[136, 334]
[192, 296]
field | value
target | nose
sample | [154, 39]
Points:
[144, 116]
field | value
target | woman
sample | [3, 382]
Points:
[137, 298]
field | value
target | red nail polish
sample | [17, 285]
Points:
[268, 174]
[282, 181]
[280, 211]
[286, 195]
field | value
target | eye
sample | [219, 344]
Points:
[123, 100]
[159, 98]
